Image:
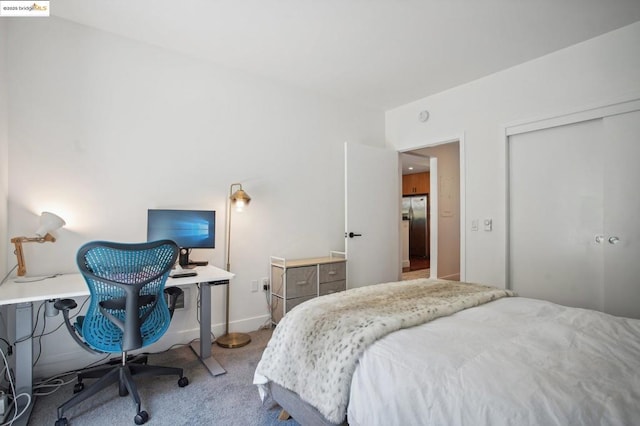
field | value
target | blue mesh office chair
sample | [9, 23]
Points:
[127, 311]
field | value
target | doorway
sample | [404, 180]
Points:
[415, 216]
[443, 162]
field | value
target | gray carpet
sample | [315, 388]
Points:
[229, 399]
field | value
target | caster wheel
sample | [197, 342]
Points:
[62, 421]
[183, 381]
[78, 387]
[141, 418]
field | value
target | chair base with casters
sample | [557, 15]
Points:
[121, 372]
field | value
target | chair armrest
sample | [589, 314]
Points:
[65, 305]
[173, 293]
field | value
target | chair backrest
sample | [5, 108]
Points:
[126, 281]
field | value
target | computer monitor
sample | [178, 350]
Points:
[189, 229]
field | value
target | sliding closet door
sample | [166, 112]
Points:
[555, 214]
[622, 214]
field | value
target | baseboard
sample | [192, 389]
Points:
[452, 277]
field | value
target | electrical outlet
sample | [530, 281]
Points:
[265, 284]
[254, 286]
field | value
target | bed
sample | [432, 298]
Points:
[446, 353]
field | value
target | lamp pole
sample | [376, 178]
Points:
[228, 253]
[233, 340]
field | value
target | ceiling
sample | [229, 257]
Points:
[378, 53]
[414, 162]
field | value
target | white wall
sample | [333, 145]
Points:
[591, 73]
[100, 126]
[4, 150]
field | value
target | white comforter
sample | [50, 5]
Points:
[514, 361]
[315, 348]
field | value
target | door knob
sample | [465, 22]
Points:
[599, 238]
[613, 240]
[351, 235]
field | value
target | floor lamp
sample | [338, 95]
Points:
[239, 199]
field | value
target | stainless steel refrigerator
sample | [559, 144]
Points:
[416, 210]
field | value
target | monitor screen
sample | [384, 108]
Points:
[188, 228]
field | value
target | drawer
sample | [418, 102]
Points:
[333, 272]
[333, 287]
[277, 281]
[292, 303]
[302, 281]
[278, 308]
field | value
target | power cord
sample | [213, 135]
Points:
[16, 414]
[267, 324]
[34, 279]
[9, 346]
[8, 273]
[57, 381]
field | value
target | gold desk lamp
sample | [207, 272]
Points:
[48, 222]
[239, 199]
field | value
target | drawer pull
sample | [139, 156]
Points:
[301, 283]
[332, 272]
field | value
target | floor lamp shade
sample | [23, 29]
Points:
[239, 199]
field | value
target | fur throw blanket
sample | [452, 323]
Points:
[315, 348]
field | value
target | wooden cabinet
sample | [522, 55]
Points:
[294, 281]
[417, 183]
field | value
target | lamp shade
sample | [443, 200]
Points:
[240, 199]
[49, 222]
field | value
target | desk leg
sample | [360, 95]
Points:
[204, 351]
[24, 360]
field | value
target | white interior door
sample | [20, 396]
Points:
[372, 210]
[622, 215]
[555, 214]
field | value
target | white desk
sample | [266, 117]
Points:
[23, 294]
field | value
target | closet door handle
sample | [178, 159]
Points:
[613, 240]
[599, 238]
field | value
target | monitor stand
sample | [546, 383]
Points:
[185, 263]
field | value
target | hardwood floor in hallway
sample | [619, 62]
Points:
[417, 263]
